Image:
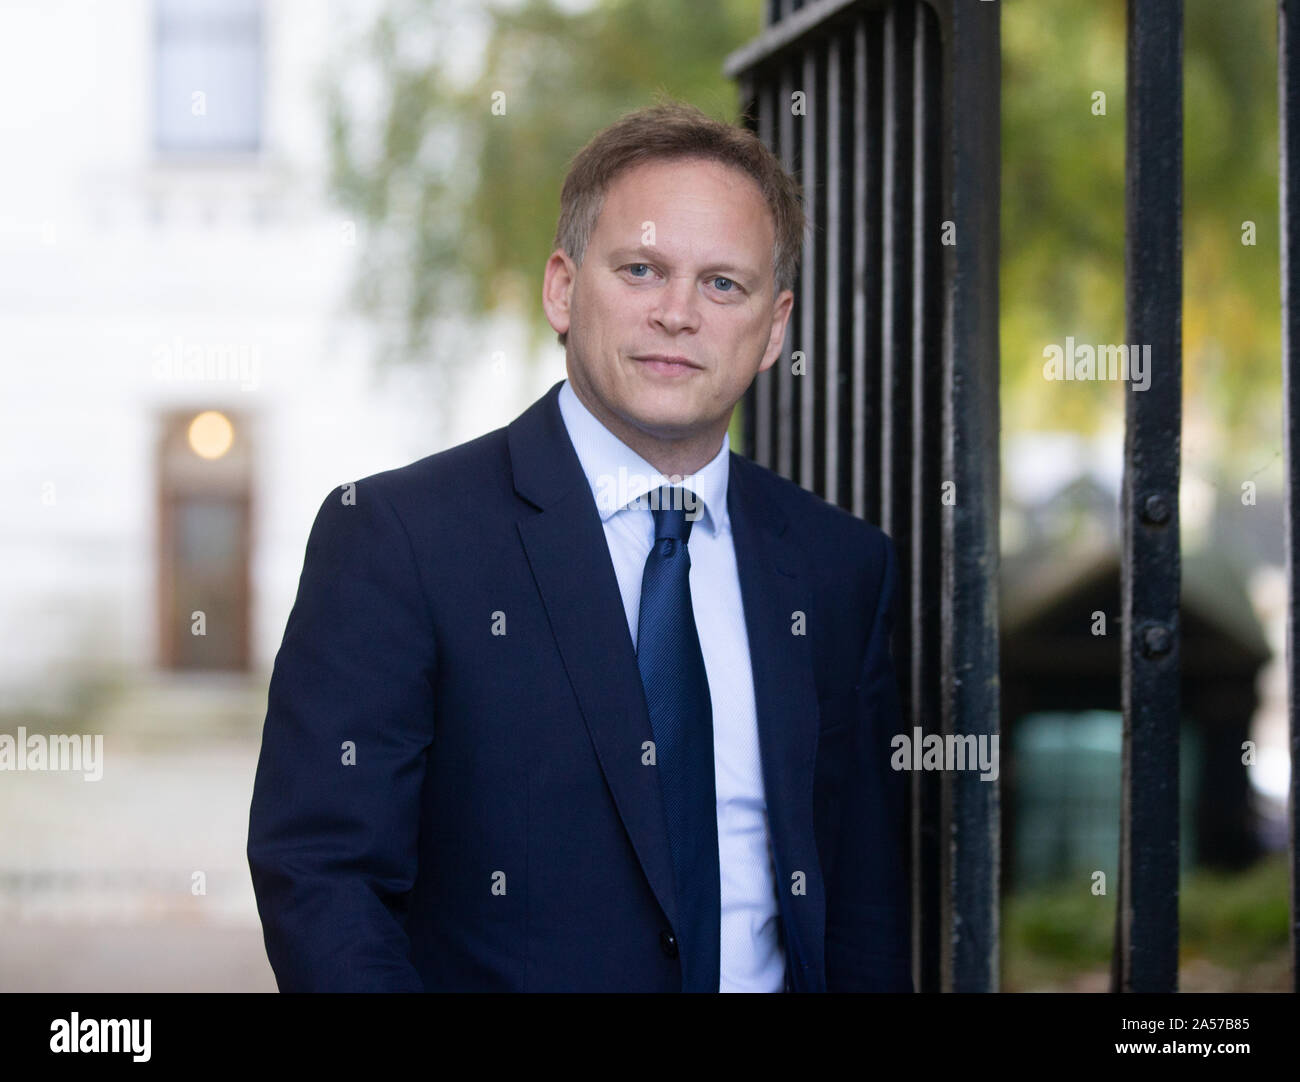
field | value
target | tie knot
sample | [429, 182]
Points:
[669, 510]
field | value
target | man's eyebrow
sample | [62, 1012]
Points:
[650, 253]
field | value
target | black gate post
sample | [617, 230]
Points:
[971, 462]
[1288, 87]
[1146, 948]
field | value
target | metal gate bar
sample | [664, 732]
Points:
[1288, 83]
[1146, 948]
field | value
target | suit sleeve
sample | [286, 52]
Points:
[334, 820]
[868, 927]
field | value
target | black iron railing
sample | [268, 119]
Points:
[885, 400]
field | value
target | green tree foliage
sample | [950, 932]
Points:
[458, 205]
[1063, 218]
[459, 199]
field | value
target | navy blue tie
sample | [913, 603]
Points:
[681, 713]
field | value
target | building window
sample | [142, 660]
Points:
[208, 76]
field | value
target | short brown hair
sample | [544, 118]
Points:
[671, 130]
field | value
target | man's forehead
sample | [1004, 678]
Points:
[666, 174]
[651, 193]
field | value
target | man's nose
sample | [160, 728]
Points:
[678, 307]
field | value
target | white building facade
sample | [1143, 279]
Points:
[169, 255]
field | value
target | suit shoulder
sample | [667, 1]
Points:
[469, 467]
[820, 519]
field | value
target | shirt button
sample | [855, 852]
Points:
[669, 943]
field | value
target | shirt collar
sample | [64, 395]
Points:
[618, 475]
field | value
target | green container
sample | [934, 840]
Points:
[1068, 769]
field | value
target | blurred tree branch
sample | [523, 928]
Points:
[459, 205]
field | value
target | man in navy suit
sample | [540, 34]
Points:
[591, 703]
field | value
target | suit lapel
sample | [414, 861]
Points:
[773, 587]
[590, 626]
[570, 561]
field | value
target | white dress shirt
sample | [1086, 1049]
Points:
[752, 959]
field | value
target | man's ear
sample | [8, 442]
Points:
[781, 309]
[557, 290]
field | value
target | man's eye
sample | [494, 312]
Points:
[632, 268]
[725, 288]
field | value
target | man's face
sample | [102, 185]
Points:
[678, 267]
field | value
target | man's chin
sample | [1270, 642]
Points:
[667, 422]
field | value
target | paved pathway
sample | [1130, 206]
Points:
[96, 878]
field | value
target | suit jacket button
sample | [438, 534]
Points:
[669, 943]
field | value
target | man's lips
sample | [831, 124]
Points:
[666, 362]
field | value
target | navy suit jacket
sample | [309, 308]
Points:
[441, 806]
